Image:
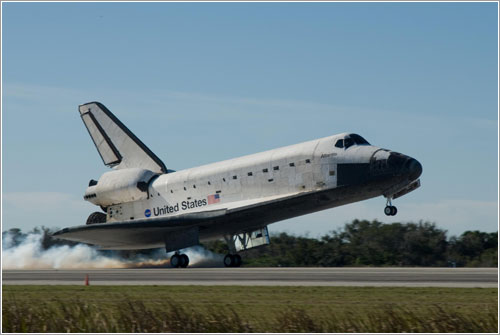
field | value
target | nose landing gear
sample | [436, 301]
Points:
[389, 209]
[179, 260]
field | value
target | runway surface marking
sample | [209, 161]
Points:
[410, 277]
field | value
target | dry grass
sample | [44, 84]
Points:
[25, 311]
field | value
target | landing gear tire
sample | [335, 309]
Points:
[237, 261]
[390, 210]
[179, 261]
[184, 261]
[228, 261]
[232, 261]
[175, 261]
[394, 210]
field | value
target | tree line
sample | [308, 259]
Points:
[373, 243]
[359, 243]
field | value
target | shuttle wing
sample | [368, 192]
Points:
[152, 233]
[137, 234]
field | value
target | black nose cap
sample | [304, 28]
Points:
[414, 169]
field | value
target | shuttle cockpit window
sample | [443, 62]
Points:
[358, 139]
[350, 140]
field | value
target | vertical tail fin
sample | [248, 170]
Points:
[118, 146]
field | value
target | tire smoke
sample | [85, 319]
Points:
[30, 254]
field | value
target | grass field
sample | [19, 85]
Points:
[247, 309]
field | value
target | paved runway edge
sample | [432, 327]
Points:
[399, 277]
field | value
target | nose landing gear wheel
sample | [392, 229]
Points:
[390, 210]
[394, 210]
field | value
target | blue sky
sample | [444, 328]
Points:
[203, 82]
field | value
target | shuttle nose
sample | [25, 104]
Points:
[405, 165]
[414, 169]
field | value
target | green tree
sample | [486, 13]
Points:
[474, 248]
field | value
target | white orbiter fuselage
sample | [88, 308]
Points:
[149, 206]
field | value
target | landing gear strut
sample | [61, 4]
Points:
[233, 261]
[179, 260]
[389, 209]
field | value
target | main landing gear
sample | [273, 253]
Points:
[179, 260]
[389, 209]
[233, 261]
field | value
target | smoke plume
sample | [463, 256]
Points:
[29, 254]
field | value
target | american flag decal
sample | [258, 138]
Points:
[213, 199]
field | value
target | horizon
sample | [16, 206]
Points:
[204, 82]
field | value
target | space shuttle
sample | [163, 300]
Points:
[145, 205]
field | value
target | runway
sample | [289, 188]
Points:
[408, 277]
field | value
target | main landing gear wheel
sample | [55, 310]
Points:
[237, 260]
[179, 261]
[390, 210]
[185, 261]
[233, 261]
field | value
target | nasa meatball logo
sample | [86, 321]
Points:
[147, 212]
